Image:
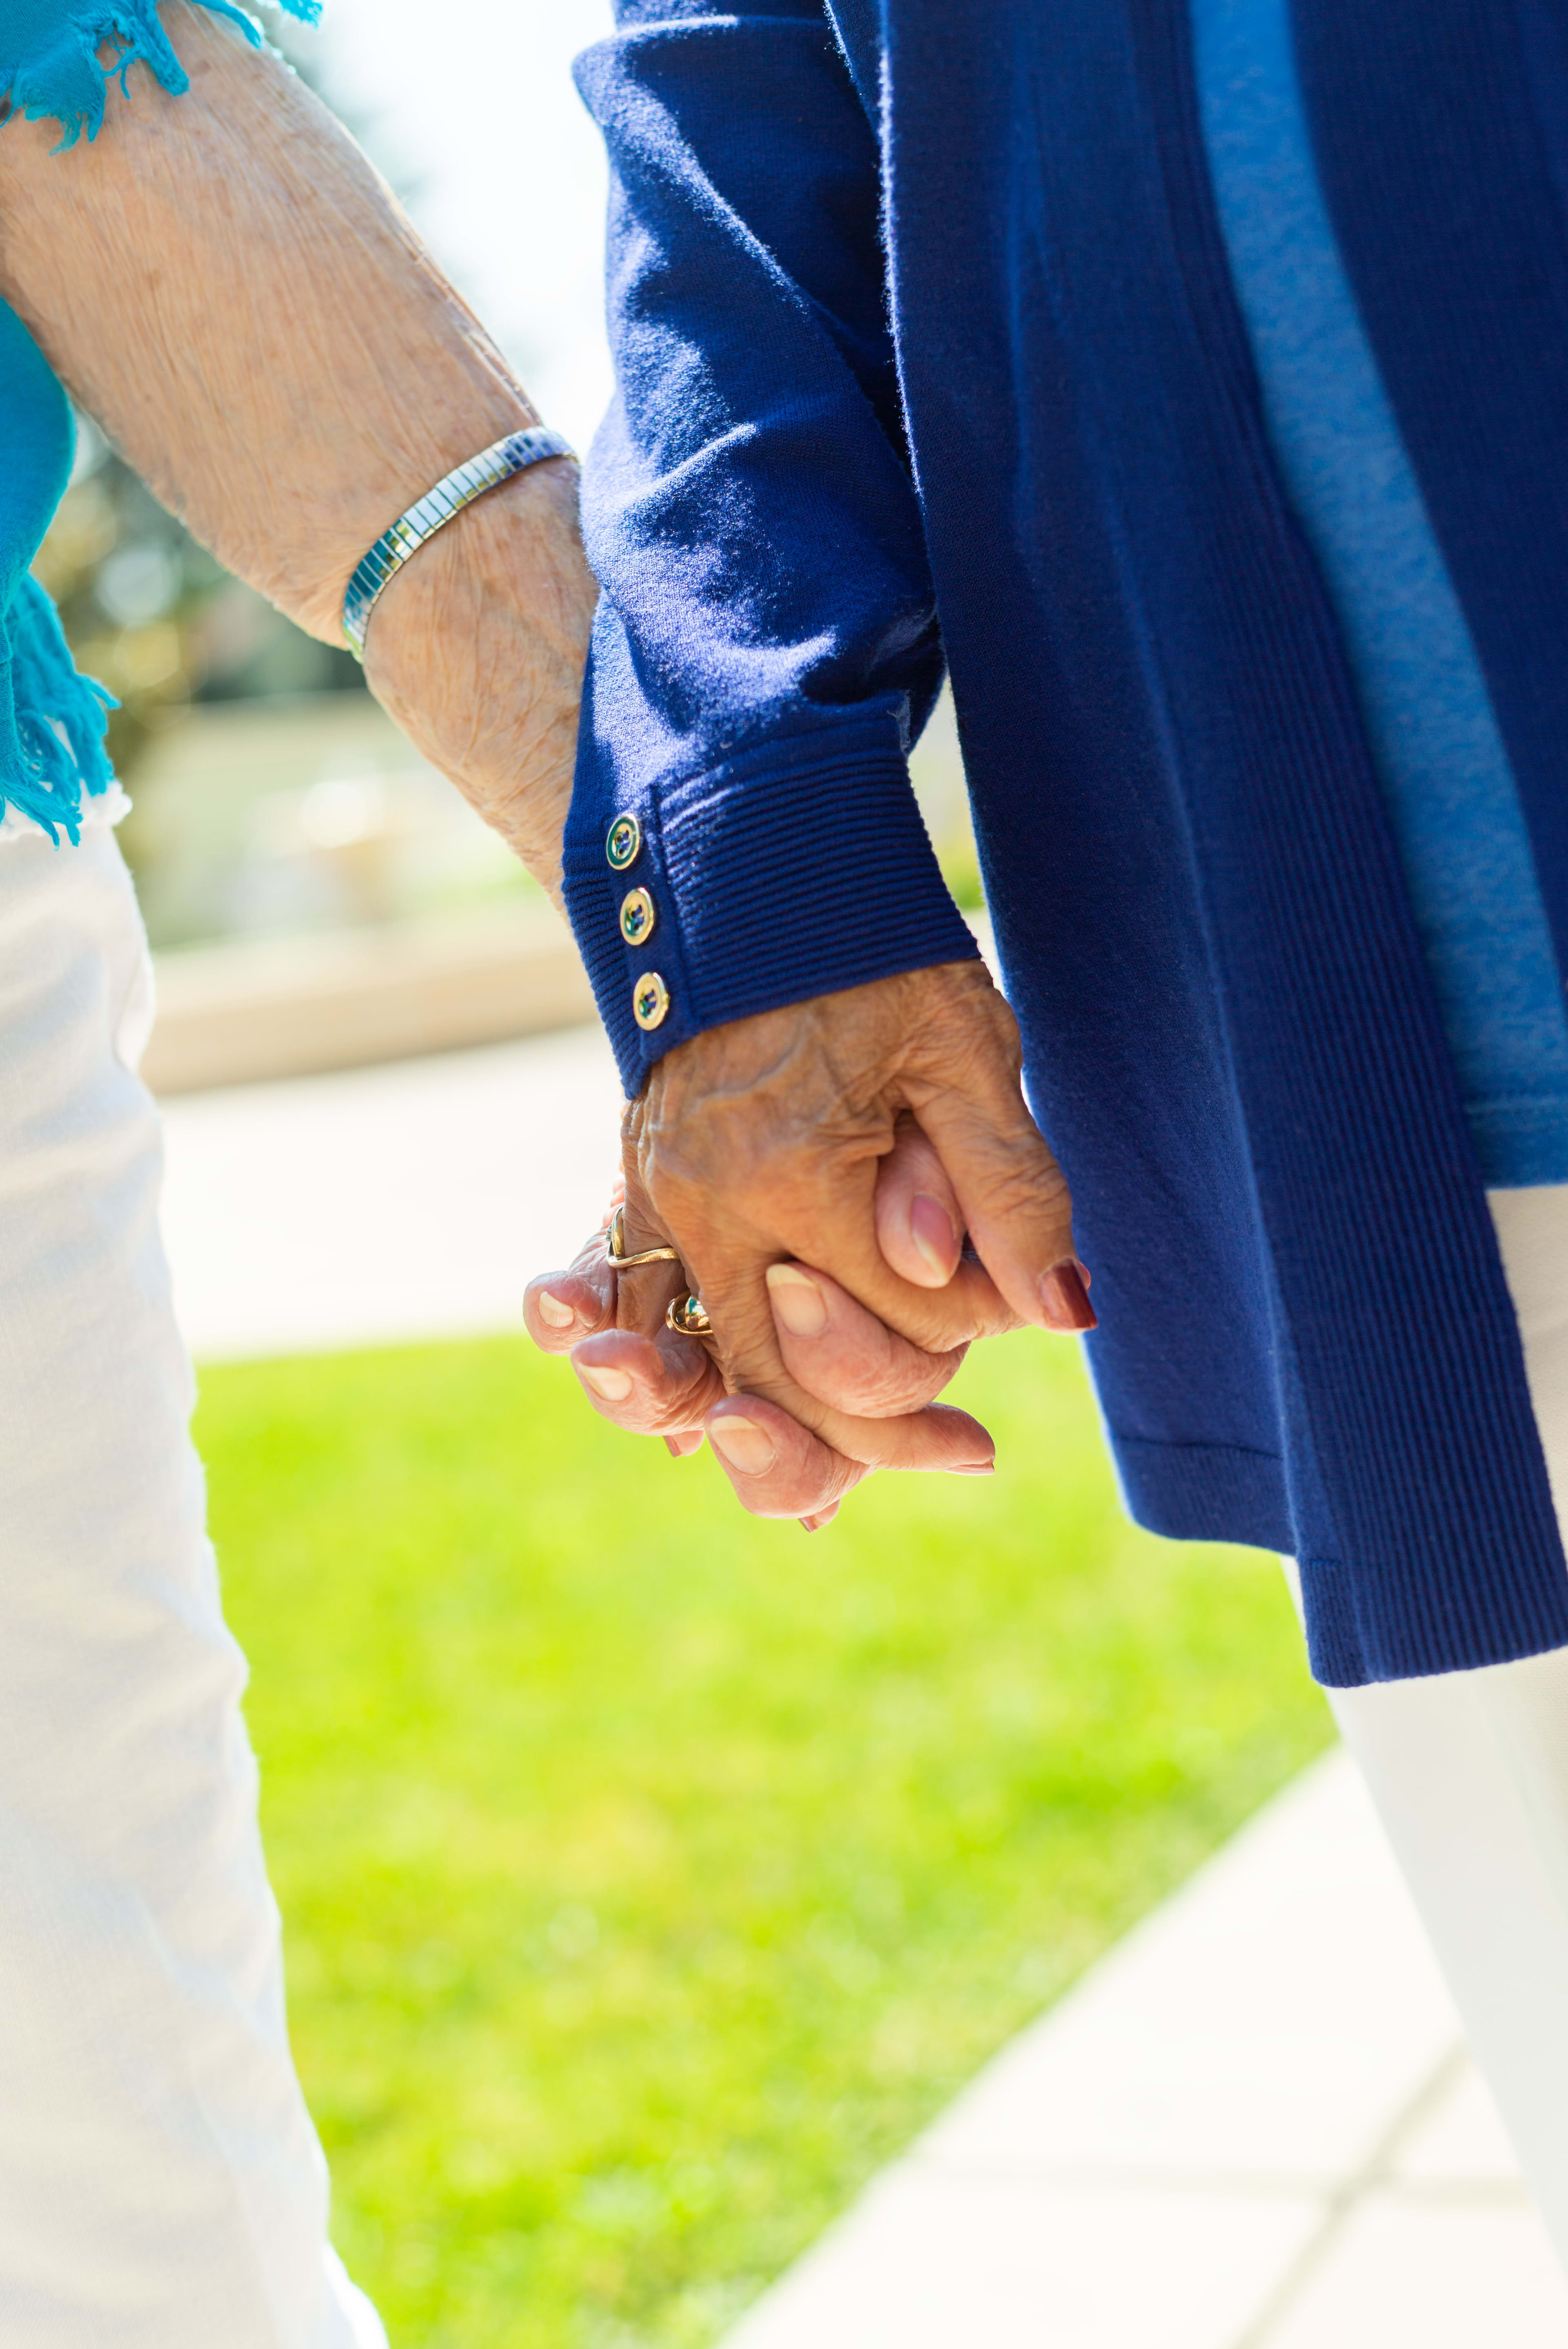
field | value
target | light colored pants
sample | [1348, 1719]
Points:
[160, 2183]
[1470, 1774]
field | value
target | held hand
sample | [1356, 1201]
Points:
[761, 1139]
[794, 1136]
[650, 1380]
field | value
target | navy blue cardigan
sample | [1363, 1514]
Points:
[926, 350]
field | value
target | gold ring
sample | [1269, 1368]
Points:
[687, 1317]
[616, 1247]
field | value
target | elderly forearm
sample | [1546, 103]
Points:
[224, 283]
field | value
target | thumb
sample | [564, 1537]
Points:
[919, 1223]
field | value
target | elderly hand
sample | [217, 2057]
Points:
[226, 285]
[818, 1169]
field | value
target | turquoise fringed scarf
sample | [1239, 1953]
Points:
[51, 716]
[49, 54]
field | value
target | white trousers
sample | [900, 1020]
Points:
[160, 2183]
[1470, 1774]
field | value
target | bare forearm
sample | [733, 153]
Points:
[227, 285]
[477, 649]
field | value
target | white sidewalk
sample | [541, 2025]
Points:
[1252, 2127]
[410, 1201]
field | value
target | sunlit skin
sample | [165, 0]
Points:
[228, 287]
[855, 1301]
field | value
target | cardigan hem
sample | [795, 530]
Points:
[1362, 1628]
[1359, 1632]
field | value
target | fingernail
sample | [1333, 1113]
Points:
[554, 1310]
[797, 1300]
[976, 1468]
[931, 1229]
[609, 1385]
[1064, 1299]
[746, 1446]
[824, 1517]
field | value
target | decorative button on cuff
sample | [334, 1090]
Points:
[650, 1000]
[637, 916]
[623, 842]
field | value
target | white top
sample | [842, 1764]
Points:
[109, 808]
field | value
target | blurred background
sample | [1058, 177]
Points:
[272, 799]
[650, 1875]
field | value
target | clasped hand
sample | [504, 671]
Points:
[856, 1190]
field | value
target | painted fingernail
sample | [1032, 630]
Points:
[747, 1447]
[609, 1385]
[554, 1310]
[932, 1230]
[797, 1300]
[1064, 1299]
[976, 1468]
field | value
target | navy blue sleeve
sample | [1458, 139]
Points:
[766, 643]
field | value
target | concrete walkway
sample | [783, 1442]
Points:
[1252, 2127]
[410, 1201]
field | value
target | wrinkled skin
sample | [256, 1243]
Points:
[227, 287]
[223, 282]
[819, 1170]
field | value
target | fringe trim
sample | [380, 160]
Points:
[60, 79]
[52, 720]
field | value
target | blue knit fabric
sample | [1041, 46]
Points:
[1451, 789]
[753, 713]
[51, 716]
[928, 344]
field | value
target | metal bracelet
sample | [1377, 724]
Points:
[408, 534]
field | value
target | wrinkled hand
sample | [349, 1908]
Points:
[818, 1169]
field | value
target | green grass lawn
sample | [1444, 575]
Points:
[649, 1874]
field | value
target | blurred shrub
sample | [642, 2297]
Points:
[156, 617]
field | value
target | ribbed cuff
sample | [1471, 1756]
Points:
[794, 870]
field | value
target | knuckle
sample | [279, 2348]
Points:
[652, 1412]
[671, 1414]
[804, 1489]
[940, 1322]
[889, 1390]
[887, 1402]
[1024, 1184]
[969, 1015]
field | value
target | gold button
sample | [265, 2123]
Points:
[650, 1000]
[637, 916]
[623, 842]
